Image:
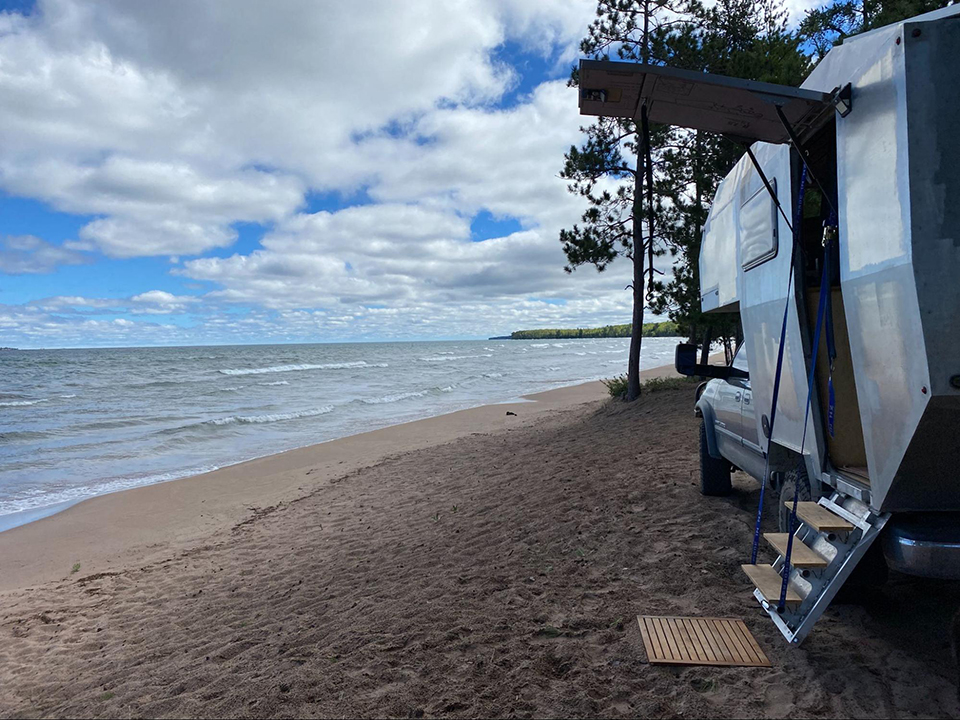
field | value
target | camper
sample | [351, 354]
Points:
[837, 239]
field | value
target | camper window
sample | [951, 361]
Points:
[758, 228]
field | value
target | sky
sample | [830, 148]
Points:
[186, 172]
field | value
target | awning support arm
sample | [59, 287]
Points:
[795, 141]
[768, 186]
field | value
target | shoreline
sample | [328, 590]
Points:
[133, 526]
[10, 521]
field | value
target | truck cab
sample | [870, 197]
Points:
[728, 437]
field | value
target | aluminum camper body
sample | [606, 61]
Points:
[850, 192]
[897, 182]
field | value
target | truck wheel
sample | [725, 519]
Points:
[714, 473]
[791, 480]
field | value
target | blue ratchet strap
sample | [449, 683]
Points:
[821, 312]
[831, 343]
[797, 219]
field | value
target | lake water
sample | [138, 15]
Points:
[79, 423]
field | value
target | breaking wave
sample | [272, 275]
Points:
[393, 398]
[445, 358]
[298, 368]
[271, 417]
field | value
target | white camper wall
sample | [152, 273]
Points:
[760, 291]
[879, 291]
[719, 251]
[763, 295]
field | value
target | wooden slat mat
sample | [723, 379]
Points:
[700, 641]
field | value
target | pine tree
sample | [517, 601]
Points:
[613, 164]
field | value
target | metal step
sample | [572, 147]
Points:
[833, 536]
[801, 555]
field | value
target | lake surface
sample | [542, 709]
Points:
[79, 423]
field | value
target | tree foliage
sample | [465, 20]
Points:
[737, 38]
[654, 329]
[831, 24]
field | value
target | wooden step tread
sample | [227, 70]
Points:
[768, 582]
[819, 518]
[801, 556]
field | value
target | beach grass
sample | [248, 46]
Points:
[617, 386]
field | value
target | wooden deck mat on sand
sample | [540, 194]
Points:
[700, 641]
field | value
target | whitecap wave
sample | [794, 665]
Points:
[493, 375]
[393, 398]
[445, 358]
[301, 367]
[271, 417]
[23, 403]
[275, 382]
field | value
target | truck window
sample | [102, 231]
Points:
[740, 359]
[758, 227]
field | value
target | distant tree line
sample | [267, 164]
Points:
[653, 329]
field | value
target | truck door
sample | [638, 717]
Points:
[748, 414]
[728, 412]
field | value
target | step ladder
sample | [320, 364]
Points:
[833, 536]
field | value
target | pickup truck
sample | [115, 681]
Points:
[729, 440]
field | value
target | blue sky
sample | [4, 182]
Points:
[222, 172]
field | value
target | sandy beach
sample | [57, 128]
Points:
[474, 564]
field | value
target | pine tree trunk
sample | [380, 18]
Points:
[636, 332]
[705, 350]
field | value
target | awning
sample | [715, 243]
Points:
[744, 109]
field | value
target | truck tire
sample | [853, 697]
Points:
[714, 473]
[793, 478]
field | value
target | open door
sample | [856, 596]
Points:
[745, 109]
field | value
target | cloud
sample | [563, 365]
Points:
[152, 302]
[167, 126]
[27, 254]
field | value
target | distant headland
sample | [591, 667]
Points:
[654, 329]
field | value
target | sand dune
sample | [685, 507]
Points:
[499, 574]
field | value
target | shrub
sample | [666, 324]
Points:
[617, 386]
[667, 383]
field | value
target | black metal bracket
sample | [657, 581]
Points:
[843, 100]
